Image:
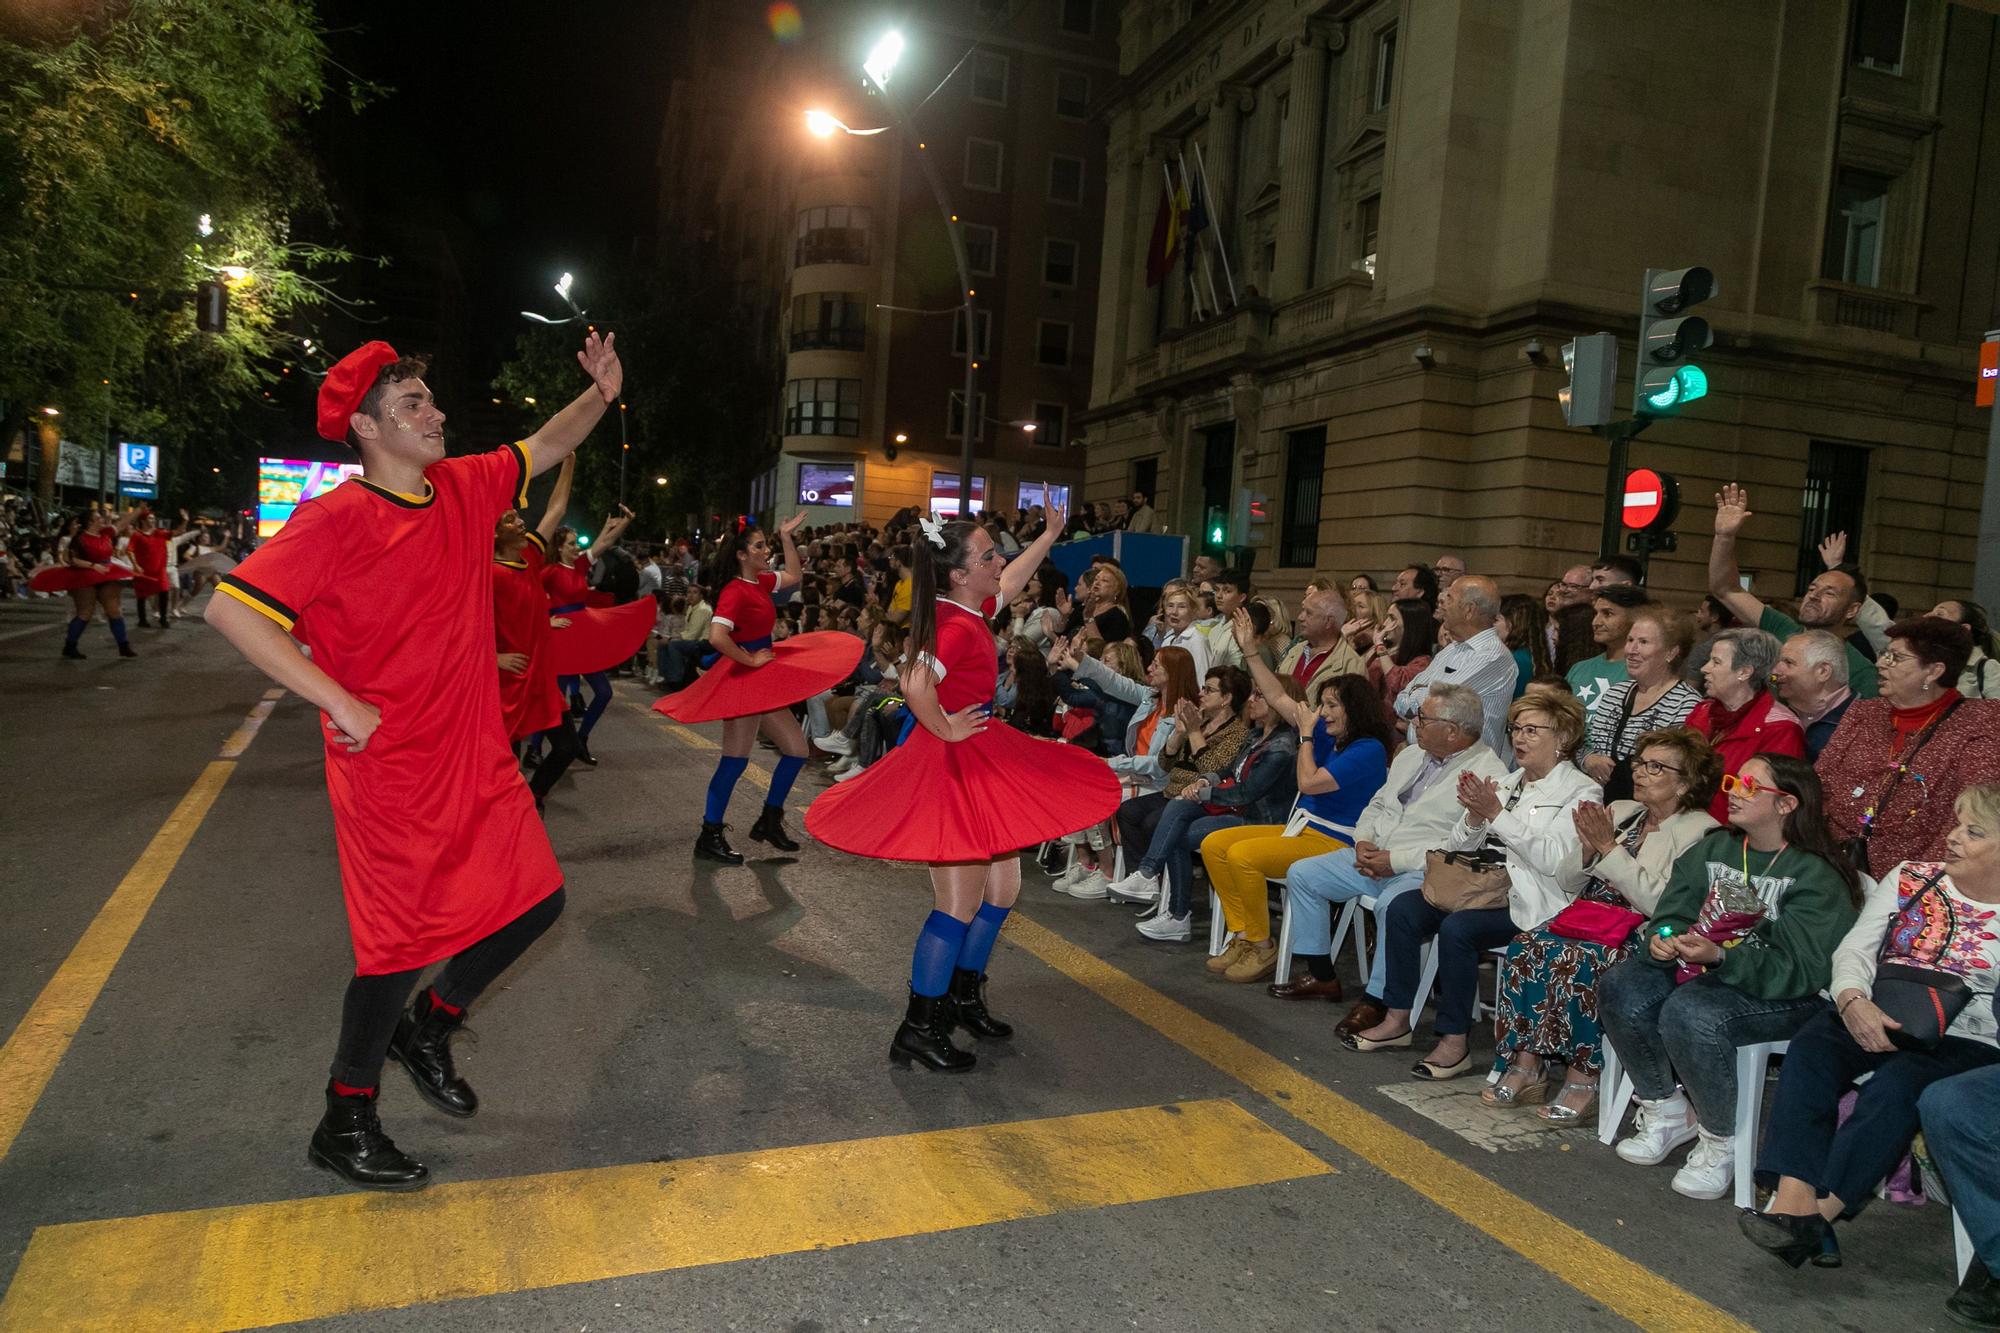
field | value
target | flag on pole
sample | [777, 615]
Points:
[1166, 242]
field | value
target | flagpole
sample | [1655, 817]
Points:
[1207, 269]
[1215, 221]
[1176, 226]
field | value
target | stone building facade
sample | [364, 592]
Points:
[1421, 201]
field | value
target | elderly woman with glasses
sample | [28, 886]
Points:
[1525, 821]
[1741, 716]
[1896, 763]
[1548, 984]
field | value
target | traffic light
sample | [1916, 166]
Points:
[1591, 362]
[1667, 380]
[1217, 528]
[211, 307]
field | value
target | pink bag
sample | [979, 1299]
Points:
[1596, 923]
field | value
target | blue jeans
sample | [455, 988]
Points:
[1961, 1118]
[1806, 1139]
[1662, 1032]
[1176, 838]
[1316, 883]
[1461, 938]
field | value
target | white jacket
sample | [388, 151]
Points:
[1642, 877]
[1539, 833]
[1406, 832]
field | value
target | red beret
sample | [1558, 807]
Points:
[349, 381]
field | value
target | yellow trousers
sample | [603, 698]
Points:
[1240, 859]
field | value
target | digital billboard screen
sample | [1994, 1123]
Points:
[826, 484]
[283, 484]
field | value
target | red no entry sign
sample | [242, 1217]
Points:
[1645, 497]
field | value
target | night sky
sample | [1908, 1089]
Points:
[527, 131]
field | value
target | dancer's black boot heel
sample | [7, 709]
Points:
[350, 1143]
[422, 1045]
[968, 1006]
[712, 846]
[770, 827]
[925, 1037]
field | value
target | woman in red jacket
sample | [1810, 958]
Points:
[1741, 717]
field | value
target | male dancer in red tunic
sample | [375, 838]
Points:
[388, 579]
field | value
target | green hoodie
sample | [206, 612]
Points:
[1789, 955]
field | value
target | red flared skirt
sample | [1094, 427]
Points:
[970, 800]
[597, 640]
[804, 665]
[62, 578]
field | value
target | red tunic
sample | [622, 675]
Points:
[149, 557]
[1768, 728]
[529, 700]
[98, 548]
[439, 841]
[971, 800]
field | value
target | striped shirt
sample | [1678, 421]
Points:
[1613, 734]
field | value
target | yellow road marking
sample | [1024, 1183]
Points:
[29, 1059]
[1593, 1268]
[270, 1263]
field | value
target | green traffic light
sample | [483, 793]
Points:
[1215, 535]
[1683, 386]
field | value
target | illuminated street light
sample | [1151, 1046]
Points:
[825, 125]
[901, 438]
[659, 481]
[563, 285]
[529, 401]
[881, 62]
[51, 412]
[235, 273]
[205, 226]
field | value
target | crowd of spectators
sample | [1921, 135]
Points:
[35, 537]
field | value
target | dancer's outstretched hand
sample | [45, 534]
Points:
[599, 359]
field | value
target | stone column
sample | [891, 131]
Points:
[1300, 161]
[1225, 118]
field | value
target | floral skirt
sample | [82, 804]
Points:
[1548, 999]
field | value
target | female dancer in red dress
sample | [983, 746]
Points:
[531, 704]
[752, 686]
[567, 582]
[93, 581]
[965, 797]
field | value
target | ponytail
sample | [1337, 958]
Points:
[930, 578]
[722, 565]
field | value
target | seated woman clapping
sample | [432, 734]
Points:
[1737, 951]
[1928, 926]
[1521, 833]
[1548, 984]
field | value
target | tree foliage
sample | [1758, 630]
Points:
[117, 134]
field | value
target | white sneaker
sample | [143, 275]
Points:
[1710, 1169]
[850, 774]
[1658, 1129]
[1137, 887]
[1068, 875]
[1090, 885]
[834, 743]
[1166, 926]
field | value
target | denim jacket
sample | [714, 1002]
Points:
[1267, 778]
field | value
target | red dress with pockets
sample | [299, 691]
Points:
[801, 667]
[972, 800]
[529, 700]
[439, 841]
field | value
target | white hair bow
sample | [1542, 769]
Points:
[933, 530]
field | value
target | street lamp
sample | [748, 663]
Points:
[880, 66]
[51, 412]
[563, 284]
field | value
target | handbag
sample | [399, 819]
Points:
[1922, 1000]
[1856, 848]
[1464, 881]
[1595, 921]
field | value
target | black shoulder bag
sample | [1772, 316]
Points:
[1922, 1000]
[1618, 787]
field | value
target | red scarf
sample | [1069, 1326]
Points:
[1722, 720]
[1907, 722]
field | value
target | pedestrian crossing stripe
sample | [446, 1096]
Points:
[254, 1265]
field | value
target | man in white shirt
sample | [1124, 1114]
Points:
[1477, 658]
[650, 575]
[1412, 812]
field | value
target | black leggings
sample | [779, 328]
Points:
[373, 1004]
[159, 600]
[563, 747]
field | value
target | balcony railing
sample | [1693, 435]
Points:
[829, 338]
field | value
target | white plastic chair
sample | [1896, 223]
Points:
[1614, 1093]
[1753, 1065]
[1961, 1241]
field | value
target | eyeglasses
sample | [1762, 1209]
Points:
[1747, 788]
[1211, 689]
[1652, 768]
[1892, 657]
[1425, 720]
[1576, 587]
[1529, 729]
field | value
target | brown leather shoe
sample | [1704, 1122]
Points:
[1365, 1014]
[1305, 987]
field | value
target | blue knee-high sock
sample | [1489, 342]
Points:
[936, 954]
[782, 778]
[74, 634]
[118, 629]
[727, 770]
[980, 935]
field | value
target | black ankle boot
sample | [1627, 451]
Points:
[350, 1143]
[71, 650]
[126, 650]
[770, 827]
[925, 1037]
[583, 754]
[968, 1006]
[712, 846]
[422, 1045]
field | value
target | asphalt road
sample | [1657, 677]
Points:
[688, 1121]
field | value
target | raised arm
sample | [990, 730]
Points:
[1725, 578]
[1265, 679]
[795, 570]
[614, 528]
[563, 432]
[1014, 578]
[558, 505]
